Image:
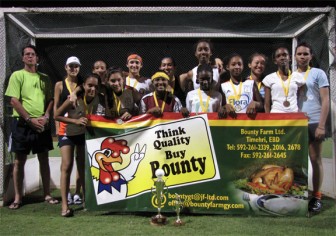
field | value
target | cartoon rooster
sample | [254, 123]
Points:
[102, 170]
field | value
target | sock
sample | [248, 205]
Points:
[317, 194]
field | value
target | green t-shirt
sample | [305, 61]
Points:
[33, 90]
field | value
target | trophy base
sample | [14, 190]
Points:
[159, 220]
[179, 223]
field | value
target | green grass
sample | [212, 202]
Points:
[39, 218]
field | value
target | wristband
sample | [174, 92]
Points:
[320, 128]
[28, 120]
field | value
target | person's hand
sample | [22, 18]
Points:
[126, 116]
[320, 133]
[36, 125]
[252, 108]
[155, 111]
[73, 99]
[222, 113]
[185, 112]
[81, 121]
[229, 109]
[219, 64]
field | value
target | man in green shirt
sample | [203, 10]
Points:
[30, 95]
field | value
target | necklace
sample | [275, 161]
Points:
[163, 102]
[204, 108]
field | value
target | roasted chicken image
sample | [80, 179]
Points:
[274, 177]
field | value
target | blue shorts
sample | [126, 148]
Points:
[24, 139]
[76, 140]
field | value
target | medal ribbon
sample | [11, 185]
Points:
[117, 102]
[307, 73]
[129, 82]
[285, 88]
[68, 85]
[258, 83]
[236, 95]
[204, 108]
[163, 102]
[87, 107]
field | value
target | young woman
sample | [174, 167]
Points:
[100, 68]
[63, 90]
[281, 87]
[240, 95]
[121, 100]
[160, 100]
[74, 135]
[203, 53]
[205, 98]
[314, 99]
[257, 63]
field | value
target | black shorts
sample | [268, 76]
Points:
[24, 139]
[76, 140]
[311, 133]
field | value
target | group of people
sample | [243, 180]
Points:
[212, 86]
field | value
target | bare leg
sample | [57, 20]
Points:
[18, 175]
[66, 168]
[45, 172]
[81, 166]
[315, 151]
[78, 180]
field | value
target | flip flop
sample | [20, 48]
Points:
[51, 200]
[67, 213]
[15, 205]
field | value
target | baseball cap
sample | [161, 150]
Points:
[72, 60]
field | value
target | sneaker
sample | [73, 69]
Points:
[70, 201]
[315, 205]
[77, 199]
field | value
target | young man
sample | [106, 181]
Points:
[30, 95]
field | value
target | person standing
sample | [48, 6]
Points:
[30, 93]
[281, 87]
[314, 100]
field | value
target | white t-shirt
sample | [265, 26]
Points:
[246, 94]
[273, 81]
[193, 101]
[215, 77]
[143, 87]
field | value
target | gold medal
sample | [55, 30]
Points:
[238, 108]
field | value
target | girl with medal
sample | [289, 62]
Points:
[204, 99]
[121, 100]
[75, 136]
[63, 91]
[257, 64]
[240, 96]
[161, 100]
[315, 103]
[281, 87]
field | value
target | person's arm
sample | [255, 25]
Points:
[59, 115]
[324, 94]
[44, 120]
[57, 95]
[33, 122]
[257, 103]
[267, 100]
[183, 79]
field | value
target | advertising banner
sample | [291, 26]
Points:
[216, 166]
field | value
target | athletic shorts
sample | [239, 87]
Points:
[311, 132]
[24, 139]
[76, 140]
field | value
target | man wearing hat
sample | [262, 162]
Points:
[160, 100]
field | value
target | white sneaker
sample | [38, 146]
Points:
[77, 199]
[70, 201]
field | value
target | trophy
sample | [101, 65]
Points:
[159, 198]
[178, 206]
